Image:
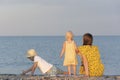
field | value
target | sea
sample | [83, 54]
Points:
[13, 52]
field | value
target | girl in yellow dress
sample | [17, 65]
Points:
[69, 48]
[91, 62]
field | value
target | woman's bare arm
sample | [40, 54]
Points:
[85, 63]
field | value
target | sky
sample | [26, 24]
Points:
[56, 17]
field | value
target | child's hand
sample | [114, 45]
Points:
[60, 56]
[23, 73]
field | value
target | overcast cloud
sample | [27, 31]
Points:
[55, 17]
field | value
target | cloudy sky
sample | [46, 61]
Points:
[55, 17]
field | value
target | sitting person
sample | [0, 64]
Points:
[44, 66]
[91, 62]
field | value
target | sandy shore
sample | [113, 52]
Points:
[37, 77]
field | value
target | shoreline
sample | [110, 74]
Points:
[59, 77]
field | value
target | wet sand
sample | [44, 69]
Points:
[40, 77]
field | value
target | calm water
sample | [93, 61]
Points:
[13, 50]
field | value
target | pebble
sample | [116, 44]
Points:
[38, 77]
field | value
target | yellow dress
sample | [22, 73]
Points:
[95, 66]
[70, 54]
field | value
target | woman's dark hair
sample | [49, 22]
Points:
[87, 39]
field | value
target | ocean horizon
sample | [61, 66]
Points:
[13, 50]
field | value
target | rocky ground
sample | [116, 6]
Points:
[36, 77]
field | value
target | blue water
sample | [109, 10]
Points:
[13, 50]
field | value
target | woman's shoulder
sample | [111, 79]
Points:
[85, 49]
[82, 47]
[94, 46]
[88, 46]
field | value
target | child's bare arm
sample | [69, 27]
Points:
[32, 69]
[27, 71]
[63, 50]
[76, 48]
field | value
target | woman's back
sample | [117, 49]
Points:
[92, 55]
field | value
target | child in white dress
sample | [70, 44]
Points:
[44, 66]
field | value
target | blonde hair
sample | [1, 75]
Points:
[69, 34]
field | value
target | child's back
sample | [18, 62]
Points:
[43, 65]
[70, 54]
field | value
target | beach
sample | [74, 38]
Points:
[42, 77]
